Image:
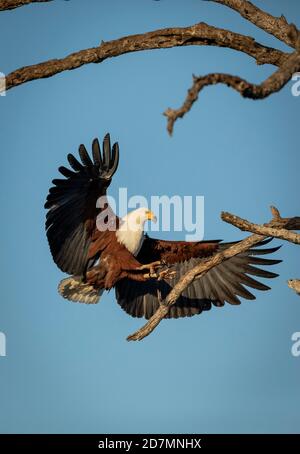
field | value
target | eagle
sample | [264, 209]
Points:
[119, 254]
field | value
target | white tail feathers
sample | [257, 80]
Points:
[73, 289]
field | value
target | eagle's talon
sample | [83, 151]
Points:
[166, 274]
[151, 266]
[151, 276]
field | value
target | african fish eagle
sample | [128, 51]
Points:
[102, 259]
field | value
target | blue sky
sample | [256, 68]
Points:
[68, 366]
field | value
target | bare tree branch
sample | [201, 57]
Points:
[197, 35]
[271, 85]
[274, 228]
[276, 26]
[202, 268]
[12, 4]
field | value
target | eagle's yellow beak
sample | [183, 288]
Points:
[151, 216]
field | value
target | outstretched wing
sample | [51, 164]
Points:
[71, 219]
[225, 282]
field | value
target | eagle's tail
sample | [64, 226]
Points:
[74, 289]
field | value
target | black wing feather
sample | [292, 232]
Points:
[97, 153]
[72, 204]
[84, 156]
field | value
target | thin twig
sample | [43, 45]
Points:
[271, 85]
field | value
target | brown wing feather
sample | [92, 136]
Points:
[71, 219]
[175, 251]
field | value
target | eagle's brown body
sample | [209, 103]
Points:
[117, 262]
[98, 260]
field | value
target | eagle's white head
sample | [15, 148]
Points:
[131, 229]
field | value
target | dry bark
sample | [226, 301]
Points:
[196, 35]
[276, 26]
